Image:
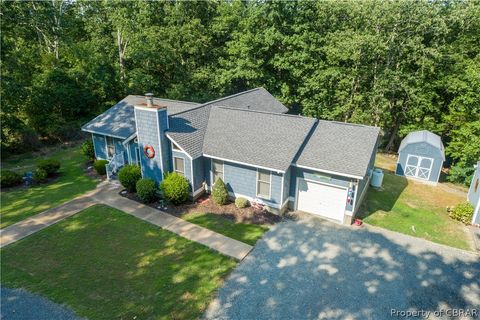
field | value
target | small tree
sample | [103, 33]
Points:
[87, 149]
[220, 192]
[129, 176]
[175, 188]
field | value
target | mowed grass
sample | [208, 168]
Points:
[414, 208]
[247, 233]
[105, 264]
[20, 203]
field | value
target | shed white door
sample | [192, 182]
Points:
[321, 199]
[418, 167]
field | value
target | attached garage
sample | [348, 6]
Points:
[322, 199]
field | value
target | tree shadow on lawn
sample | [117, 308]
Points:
[316, 270]
[384, 198]
[106, 264]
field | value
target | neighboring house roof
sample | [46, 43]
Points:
[423, 136]
[269, 140]
[339, 147]
[119, 120]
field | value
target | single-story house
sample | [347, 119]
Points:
[421, 156]
[247, 139]
[474, 194]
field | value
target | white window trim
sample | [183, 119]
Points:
[175, 167]
[211, 171]
[106, 147]
[263, 196]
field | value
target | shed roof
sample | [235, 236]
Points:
[119, 120]
[423, 136]
[339, 147]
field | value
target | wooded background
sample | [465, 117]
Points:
[400, 65]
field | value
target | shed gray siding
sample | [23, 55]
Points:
[99, 146]
[422, 149]
[474, 195]
[320, 177]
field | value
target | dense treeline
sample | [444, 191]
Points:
[400, 65]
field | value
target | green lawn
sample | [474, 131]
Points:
[21, 203]
[106, 264]
[415, 209]
[247, 233]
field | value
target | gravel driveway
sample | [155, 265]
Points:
[313, 269]
[18, 304]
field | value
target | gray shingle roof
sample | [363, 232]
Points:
[423, 136]
[188, 128]
[339, 147]
[119, 120]
[257, 99]
[269, 140]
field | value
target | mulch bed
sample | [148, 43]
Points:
[205, 204]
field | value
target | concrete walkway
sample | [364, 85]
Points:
[108, 194]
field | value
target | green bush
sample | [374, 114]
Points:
[463, 212]
[87, 149]
[51, 166]
[175, 188]
[9, 178]
[99, 166]
[146, 190]
[460, 173]
[129, 176]
[219, 192]
[40, 175]
[241, 202]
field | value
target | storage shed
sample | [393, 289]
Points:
[474, 194]
[421, 156]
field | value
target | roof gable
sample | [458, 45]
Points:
[339, 147]
[423, 136]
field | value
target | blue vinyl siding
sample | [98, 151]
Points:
[120, 148]
[207, 166]
[421, 149]
[286, 184]
[241, 180]
[99, 146]
[198, 172]
[131, 150]
[188, 165]
[148, 134]
[320, 177]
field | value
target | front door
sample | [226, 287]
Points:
[418, 167]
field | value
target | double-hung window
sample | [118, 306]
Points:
[217, 170]
[179, 165]
[263, 183]
[110, 147]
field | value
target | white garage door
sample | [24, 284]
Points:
[324, 200]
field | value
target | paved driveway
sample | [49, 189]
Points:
[313, 269]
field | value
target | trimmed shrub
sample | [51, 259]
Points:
[99, 166]
[175, 188]
[129, 176]
[146, 190]
[220, 192]
[40, 175]
[241, 202]
[463, 212]
[87, 149]
[51, 166]
[9, 178]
